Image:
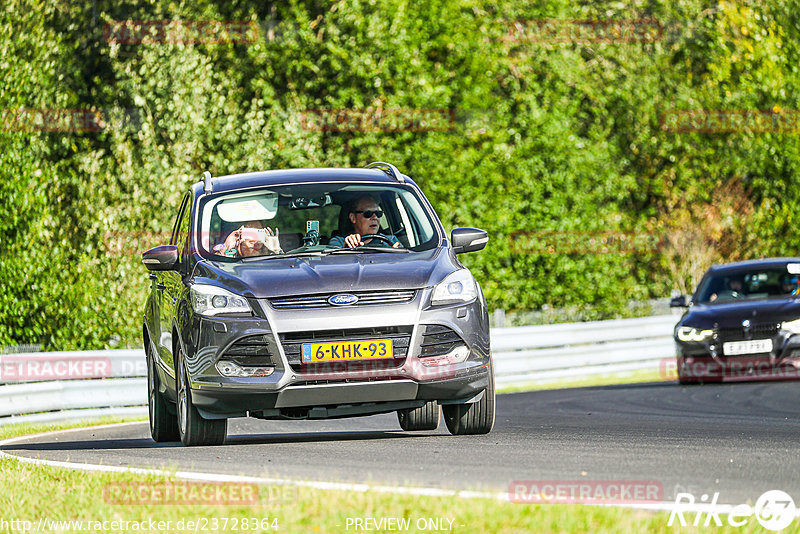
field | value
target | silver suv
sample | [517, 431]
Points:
[314, 294]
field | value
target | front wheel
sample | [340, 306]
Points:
[474, 418]
[193, 429]
[163, 423]
[423, 418]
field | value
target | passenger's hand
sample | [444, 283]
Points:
[353, 241]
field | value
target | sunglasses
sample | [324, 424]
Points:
[369, 213]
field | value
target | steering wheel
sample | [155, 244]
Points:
[380, 238]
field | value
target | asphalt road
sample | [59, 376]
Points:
[736, 439]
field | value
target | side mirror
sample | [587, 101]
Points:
[468, 239]
[678, 302]
[161, 258]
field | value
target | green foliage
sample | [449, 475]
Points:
[546, 137]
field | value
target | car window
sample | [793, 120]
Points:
[308, 217]
[182, 238]
[173, 238]
[749, 284]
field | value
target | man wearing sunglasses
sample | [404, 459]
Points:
[365, 216]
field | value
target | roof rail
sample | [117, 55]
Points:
[207, 180]
[389, 169]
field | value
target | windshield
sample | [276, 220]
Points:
[314, 219]
[751, 284]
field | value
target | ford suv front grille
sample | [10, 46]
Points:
[293, 341]
[364, 298]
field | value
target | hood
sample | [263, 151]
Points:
[731, 315]
[329, 274]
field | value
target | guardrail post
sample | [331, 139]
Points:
[499, 318]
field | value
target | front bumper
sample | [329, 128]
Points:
[343, 399]
[706, 360]
[338, 389]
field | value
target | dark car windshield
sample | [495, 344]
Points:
[276, 221]
[750, 284]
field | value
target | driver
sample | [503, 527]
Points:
[790, 286]
[734, 290]
[365, 215]
[735, 285]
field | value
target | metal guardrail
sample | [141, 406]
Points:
[534, 354]
[74, 385]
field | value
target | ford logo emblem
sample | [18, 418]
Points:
[343, 299]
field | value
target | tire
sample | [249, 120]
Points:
[163, 423]
[474, 418]
[423, 418]
[192, 428]
[687, 378]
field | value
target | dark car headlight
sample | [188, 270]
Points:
[687, 333]
[213, 300]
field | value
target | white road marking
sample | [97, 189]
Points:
[340, 486]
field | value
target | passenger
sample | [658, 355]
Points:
[365, 215]
[250, 239]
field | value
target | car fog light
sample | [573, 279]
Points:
[229, 368]
[457, 355]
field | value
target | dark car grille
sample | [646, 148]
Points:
[757, 331]
[251, 350]
[364, 298]
[400, 335]
[438, 340]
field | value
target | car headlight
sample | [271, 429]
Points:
[459, 286]
[792, 326]
[687, 333]
[213, 300]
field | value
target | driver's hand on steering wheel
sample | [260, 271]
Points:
[354, 240]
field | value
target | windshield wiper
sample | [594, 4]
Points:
[282, 256]
[361, 250]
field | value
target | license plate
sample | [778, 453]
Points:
[754, 346]
[340, 351]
